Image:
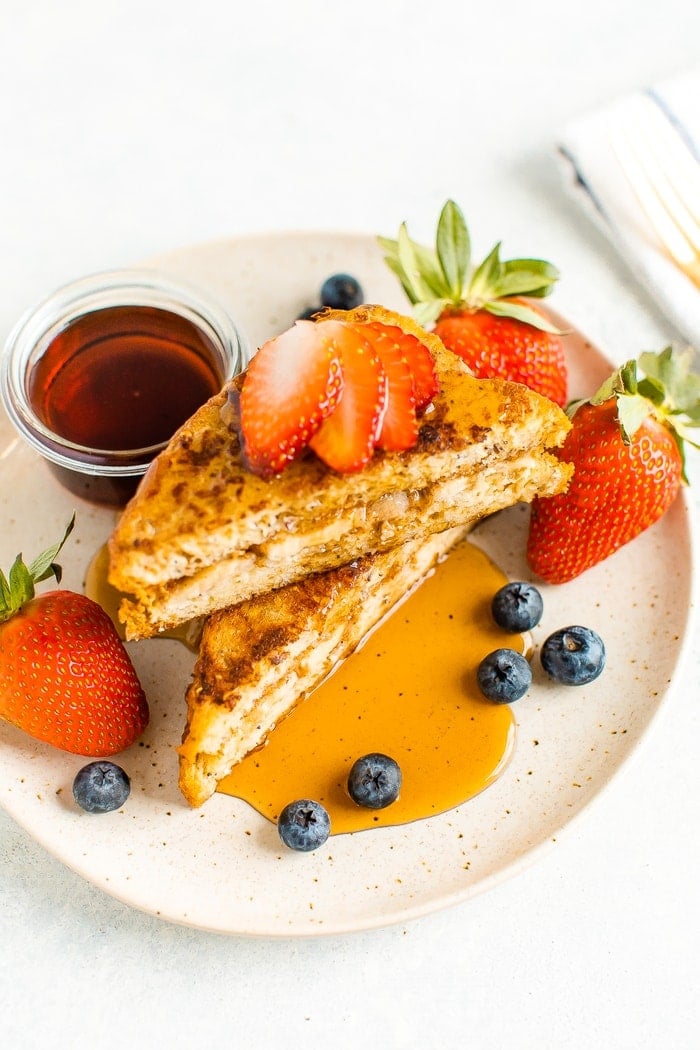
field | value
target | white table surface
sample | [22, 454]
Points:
[129, 129]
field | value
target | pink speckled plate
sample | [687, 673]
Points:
[221, 867]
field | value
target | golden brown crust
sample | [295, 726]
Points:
[257, 660]
[202, 532]
[293, 571]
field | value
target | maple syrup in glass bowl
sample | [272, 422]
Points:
[99, 376]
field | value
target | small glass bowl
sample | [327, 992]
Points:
[64, 374]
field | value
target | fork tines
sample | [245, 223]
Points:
[664, 174]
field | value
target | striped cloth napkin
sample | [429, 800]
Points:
[595, 177]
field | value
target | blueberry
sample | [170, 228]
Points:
[304, 825]
[374, 781]
[101, 787]
[573, 655]
[504, 676]
[341, 292]
[517, 607]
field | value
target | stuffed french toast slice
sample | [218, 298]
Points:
[206, 531]
[258, 660]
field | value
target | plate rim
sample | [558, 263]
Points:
[519, 862]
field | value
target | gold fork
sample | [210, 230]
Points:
[664, 174]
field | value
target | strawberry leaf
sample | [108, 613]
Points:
[669, 391]
[485, 277]
[685, 430]
[690, 418]
[416, 288]
[431, 271]
[519, 312]
[45, 565]
[427, 264]
[652, 389]
[4, 593]
[427, 313]
[396, 268]
[532, 277]
[622, 381]
[632, 410]
[21, 584]
[19, 588]
[671, 373]
[390, 247]
[674, 389]
[447, 274]
[453, 248]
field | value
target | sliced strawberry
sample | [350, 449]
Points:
[293, 383]
[418, 358]
[399, 429]
[346, 439]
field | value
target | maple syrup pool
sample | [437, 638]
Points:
[409, 691]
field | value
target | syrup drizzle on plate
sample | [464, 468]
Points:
[409, 691]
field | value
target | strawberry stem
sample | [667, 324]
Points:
[19, 588]
[669, 390]
[444, 280]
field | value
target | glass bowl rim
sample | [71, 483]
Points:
[103, 289]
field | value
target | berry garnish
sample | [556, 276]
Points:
[374, 781]
[411, 383]
[477, 310]
[304, 825]
[504, 676]
[416, 355]
[101, 787]
[292, 384]
[341, 291]
[626, 446]
[517, 607]
[65, 676]
[343, 385]
[573, 655]
[399, 423]
[347, 437]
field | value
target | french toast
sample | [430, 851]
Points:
[203, 533]
[259, 659]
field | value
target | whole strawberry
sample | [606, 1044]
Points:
[478, 310]
[626, 445]
[65, 676]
